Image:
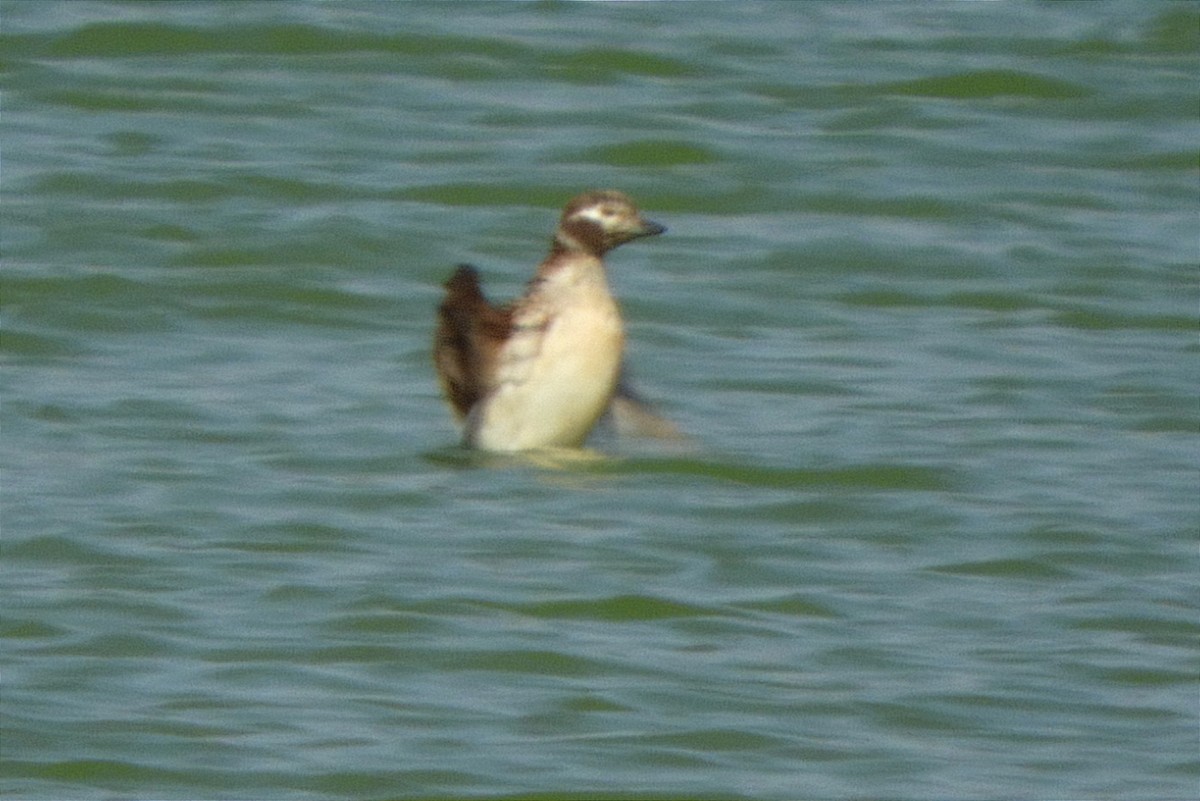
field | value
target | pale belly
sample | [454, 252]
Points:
[562, 392]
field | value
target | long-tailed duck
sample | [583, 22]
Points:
[541, 371]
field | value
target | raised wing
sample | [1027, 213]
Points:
[467, 343]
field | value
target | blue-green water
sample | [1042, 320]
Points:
[928, 306]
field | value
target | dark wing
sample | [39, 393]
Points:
[466, 345]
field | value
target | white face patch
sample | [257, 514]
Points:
[606, 215]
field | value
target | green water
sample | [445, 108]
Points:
[927, 305]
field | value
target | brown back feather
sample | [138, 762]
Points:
[466, 345]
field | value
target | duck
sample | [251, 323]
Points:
[541, 371]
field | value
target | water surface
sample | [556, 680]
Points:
[927, 305]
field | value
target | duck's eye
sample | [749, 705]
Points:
[608, 211]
